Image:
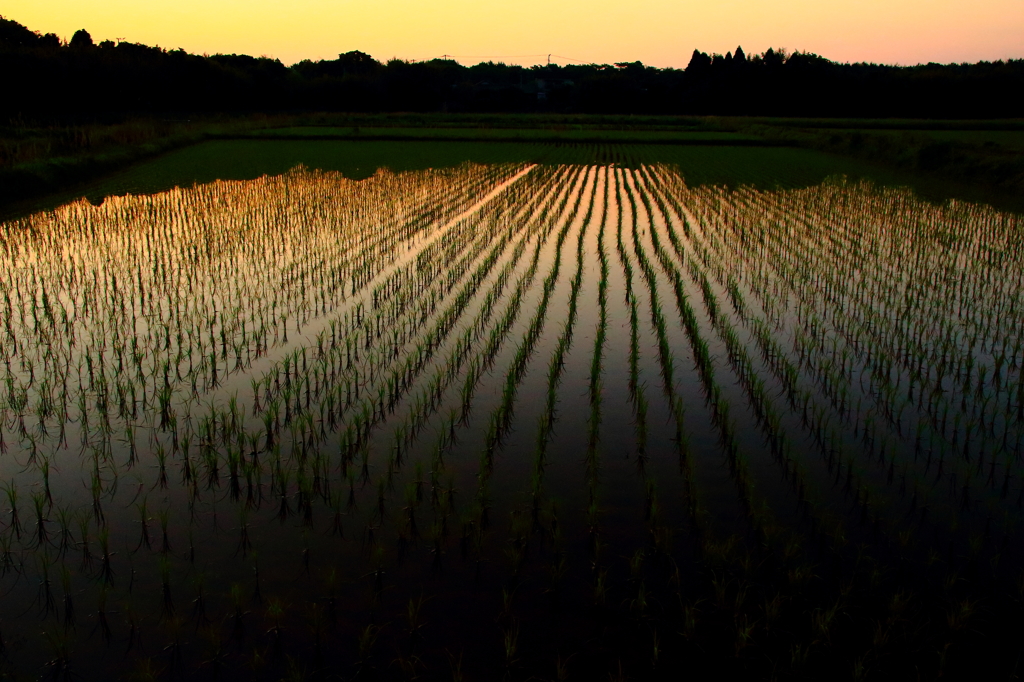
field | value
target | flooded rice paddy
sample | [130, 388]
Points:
[510, 421]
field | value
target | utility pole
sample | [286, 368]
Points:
[549, 60]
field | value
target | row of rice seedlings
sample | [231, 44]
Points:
[666, 359]
[518, 540]
[399, 379]
[658, 319]
[787, 374]
[461, 354]
[595, 390]
[556, 366]
[839, 538]
[142, 513]
[760, 516]
[422, 409]
[888, 390]
[659, 540]
[544, 518]
[479, 520]
[119, 294]
[224, 427]
[641, 601]
[768, 416]
[501, 418]
[772, 537]
[958, 494]
[883, 376]
[443, 505]
[143, 518]
[419, 319]
[717, 404]
[890, 465]
[637, 390]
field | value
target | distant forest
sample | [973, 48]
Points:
[41, 76]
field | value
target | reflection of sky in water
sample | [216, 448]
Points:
[194, 364]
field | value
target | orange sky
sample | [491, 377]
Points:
[657, 32]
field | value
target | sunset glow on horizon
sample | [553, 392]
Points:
[660, 33]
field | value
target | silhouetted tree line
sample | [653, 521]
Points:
[43, 76]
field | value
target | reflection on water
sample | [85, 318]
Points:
[488, 418]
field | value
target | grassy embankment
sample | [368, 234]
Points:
[982, 153]
[43, 159]
[37, 159]
[986, 154]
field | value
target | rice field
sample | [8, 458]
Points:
[511, 421]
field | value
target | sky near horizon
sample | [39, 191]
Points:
[657, 32]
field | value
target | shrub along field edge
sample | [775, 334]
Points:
[988, 164]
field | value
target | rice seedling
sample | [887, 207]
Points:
[44, 595]
[14, 523]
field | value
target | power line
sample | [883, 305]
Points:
[493, 56]
[570, 59]
[453, 57]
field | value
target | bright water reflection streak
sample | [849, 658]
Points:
[212, 390]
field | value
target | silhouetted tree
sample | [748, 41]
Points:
[81, 39]
[699, 62]
[40, 76]
[773, 59]
[14, 35]
[356, 62]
